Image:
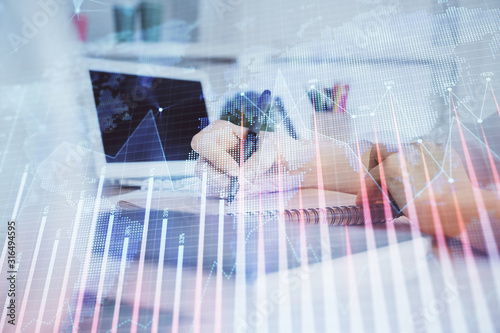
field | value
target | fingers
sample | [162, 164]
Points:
[218, 182]
[379, 155]
[274, 183]
[274, 151]
[262, 160]
[216, 142]
[373, 189]
[377, 149]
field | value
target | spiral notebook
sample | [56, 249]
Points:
[340, 207]
[336, 215]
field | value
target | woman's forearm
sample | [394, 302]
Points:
[481, 221]
[331, 167]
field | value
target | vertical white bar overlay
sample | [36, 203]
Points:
[177, 294]
[379, 306]
[104, 264]
[27, 289]
[47, 286]
[201, 244]
[138, 286]
[119, 288]
[76, 226]
[218, 283]
[159, 278]
[88, 254]
[19, 194]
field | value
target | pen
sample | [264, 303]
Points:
[285, 119]
[250, 143]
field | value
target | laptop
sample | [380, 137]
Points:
[145, 116]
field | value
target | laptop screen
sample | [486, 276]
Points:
[147, 119]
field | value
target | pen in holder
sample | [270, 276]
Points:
[330, 107]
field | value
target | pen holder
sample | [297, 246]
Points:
[124, 23]
[335, 126]
[151, 17]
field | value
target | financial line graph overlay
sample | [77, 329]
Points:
[455, 121]
[416, 137]
[148, 121]
[227, 274]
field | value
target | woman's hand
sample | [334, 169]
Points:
[424, 175]
[277, 155]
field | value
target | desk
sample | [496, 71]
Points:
[288, 293]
